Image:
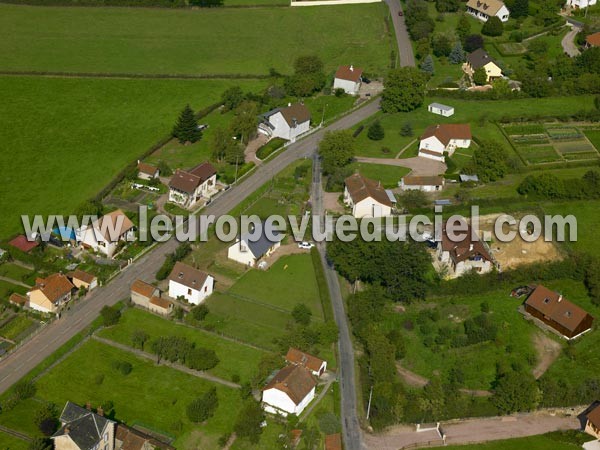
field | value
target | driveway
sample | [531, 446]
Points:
[568, 42]
[418, 165]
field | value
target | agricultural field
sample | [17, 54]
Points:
[77, 154]
[479, 117]
[159, 41]
[541, 143]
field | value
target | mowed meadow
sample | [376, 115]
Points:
[207, 41]
[63, 139]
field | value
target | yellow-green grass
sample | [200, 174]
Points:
[207, 41]
[588, 222]
[291, 280]
[8, 442]
[155, 396]
[65, 139]
[540, 442]
[16, 327]
[389, 176]
[7, 288]
[234, 358]
[476, 113]
[15, 272]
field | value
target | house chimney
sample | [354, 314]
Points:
[560, 298]
[289, 104]
[88, 406]
[67, 429]
[351, 68]
[471, 247]
[100, 411]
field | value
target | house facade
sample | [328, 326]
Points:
[190, 283]
[438, 139]
[566, 318]
[465, 254]
[147, 171]
[348, 78]
[289, 392]
[441, 110]
[478, 59]
[249, 250]
[188, 187]
[580, 3]
[422, 183]
[105, 234]
[150, 297]
[286, 123]
[81, 279]
[317, 366]
[50, 294]
[82, 429]
[484, 9]
[367, 197]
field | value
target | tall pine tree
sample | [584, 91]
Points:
[186, 128]
[457, 55]
[427, 65]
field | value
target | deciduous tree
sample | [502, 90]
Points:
[493, 27]
[404, 90]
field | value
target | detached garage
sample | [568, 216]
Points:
[441, 110]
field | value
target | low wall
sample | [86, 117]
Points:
[331, 2]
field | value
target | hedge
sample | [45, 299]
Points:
[269, 148]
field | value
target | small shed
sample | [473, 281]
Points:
[466, 178]
[442, 110]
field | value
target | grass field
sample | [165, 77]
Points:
[8, 442]
[207, 41]
[234, 359]
[75, 135]
[7, 288]
[16, 327]
[541, 442]
[588, 221]
[594, 137]
[388, 175]
[15, 272]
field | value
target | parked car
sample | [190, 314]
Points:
[366, 80]
[400, 13]
[305, 245]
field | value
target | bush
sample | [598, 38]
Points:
[110, 315]
[269, 148]
[376, 131]
[339, 92]
[199, 312]
[493, 27]
[203, 407]
[302, 314]
[122, 366]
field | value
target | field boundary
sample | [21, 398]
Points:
[143, 76]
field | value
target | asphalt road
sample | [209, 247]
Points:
[405, 51]
[14, 366]
[351, 431]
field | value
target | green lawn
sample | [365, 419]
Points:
[15, 272]
[207, 41]
[7, 288]
[152, 395]
[8, 442]
[291, 280]
[75, 135]
[541, 442]
[388, 175]
[234, 359]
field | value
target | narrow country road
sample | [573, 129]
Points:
[14, 366]
[351, 432]
[568, 42]
[405, 51]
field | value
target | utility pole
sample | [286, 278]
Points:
[236, 168]
[369, 405]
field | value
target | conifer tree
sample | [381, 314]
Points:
[186, 128]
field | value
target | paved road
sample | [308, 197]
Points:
[16, 365]
[351, 431]
[405, 51]
[568, 42]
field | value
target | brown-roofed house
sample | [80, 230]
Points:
[147, 171]
[22, 243]
[142, 293]
[478, 59]
[438, 139]
[17, 299]
[82, 279]
[348, 78]
[161, 306]
[50, 293]
[286, 123]
[462, 251]
[187, 187]
[105, 234]
[484, 9]
[190, 283]
[422, 183]
[333, 442]
[290, 391]
[127, 438]
[367, 197]
[317, 366]
[565, 317]
[592, 40]
[592, 420]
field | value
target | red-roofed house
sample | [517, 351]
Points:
[187, 187]
[348, 78]
[147, 171]
[437, 139]
[297, 357]
[593, 40]
[289, 392]
[50, 293]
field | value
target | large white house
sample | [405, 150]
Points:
[367, 197]
[286, 123]
[289, 392]
[437, 139]
[348, 78]
[464, 254]
[484, 9]
[190, 283]
[248, 249]
[187, 187]
[104, 234]
[580, 3]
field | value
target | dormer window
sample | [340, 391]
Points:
[546, 301]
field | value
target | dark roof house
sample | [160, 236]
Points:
[188, 181]
[82, 426]
[466, 248]
[188, 276]
[479, 58]
[260, 246]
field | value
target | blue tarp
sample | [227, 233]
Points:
[65, 233]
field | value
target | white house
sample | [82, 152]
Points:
[466, 253]
[317, 366]
[437, 139]
[422, 183]
[190, 283]
[104, 234]
[580, 3]
[484, 9]
[248, 249]
[348, 78]
[147, 171]
[187, 187]
[442, 110]
[289, 392]
[286, 123]
[367, 197]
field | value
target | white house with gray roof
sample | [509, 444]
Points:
[249, 249]
[83, 429]
[442, 110]
[286, 123]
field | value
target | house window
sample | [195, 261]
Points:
[189, 292]
[106, 437]
[205, 288]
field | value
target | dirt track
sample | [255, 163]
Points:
[548, 350]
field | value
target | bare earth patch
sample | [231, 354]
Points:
[331, 203]
[547, 349]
